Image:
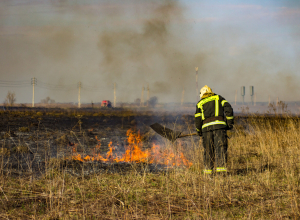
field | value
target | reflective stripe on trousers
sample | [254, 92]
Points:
[207, 171]
[221, 169]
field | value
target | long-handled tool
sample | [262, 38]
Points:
[169, 133]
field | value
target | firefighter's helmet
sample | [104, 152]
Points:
[205, 89]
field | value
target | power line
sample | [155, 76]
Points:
[14, 83]
[45, 85]
[5, 81]
[19, 86]
[55, 88]
[91, 89]
[49, 86]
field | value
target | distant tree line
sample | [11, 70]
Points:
[152, 102]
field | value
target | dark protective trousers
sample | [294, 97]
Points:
[215, 149]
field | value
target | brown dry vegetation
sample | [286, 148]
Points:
[263, 183]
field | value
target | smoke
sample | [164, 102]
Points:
[153, 42]
[153, 52]
[159, 52]
[57, 44]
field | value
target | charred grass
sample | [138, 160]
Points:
[262, 183]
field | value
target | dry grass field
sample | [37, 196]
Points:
[262, 183]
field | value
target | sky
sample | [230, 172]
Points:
[155, 43]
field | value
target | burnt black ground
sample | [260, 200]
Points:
[31, 138]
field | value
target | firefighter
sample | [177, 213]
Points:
[213, 117]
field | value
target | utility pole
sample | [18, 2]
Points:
[33, 82]
[197, 90]
[252, 94]
[182, 96]
[142, 98]
[148, 94]
[243, 93]
[115, 98]
[79, 88]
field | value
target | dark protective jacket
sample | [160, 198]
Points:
[213, 112]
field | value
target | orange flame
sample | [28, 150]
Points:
[134, 153]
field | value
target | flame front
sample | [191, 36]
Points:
[134, 153]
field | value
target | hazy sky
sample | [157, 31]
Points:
[137, 42]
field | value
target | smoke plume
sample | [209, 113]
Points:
[137, 43]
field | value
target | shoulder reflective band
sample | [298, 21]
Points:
[197, 115]
[221, 169]
[207, 171]
[209, 99]
[217, 122]
[202, 113]
[223, 102]
[229, 118]
[217, 106]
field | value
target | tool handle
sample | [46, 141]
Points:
[185, 135]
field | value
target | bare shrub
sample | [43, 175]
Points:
[10, 98]
[137, 102]
[153, 101]
[283, 107]
[277, 108]
[48, 100]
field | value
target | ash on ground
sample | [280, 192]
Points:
[79, 168]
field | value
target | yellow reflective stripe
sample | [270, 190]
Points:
[197, 115]
[221, 169]
[208, 99]
[207, 171]
[217, 107]
[223, 102]
[202, 113]
[217, 122]
[197, 129]
[229, 118]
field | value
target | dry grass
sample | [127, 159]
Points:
[263, 184]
